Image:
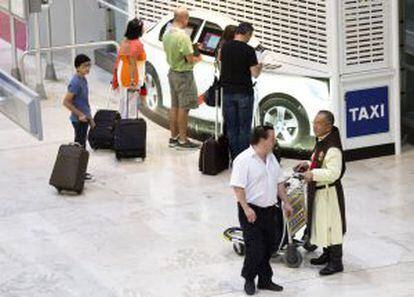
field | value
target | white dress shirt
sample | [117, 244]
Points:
[259, 179]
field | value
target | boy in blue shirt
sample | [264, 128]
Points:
[77, 101]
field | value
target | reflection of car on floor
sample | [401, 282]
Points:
[286, 100]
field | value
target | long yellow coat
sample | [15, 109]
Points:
[326, 219]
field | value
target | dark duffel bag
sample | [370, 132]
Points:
[70, 168]
[106, 115]
[130, 139]
[210, 96]
[214, 156]
[102, 136]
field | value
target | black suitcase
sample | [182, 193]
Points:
[214, 153]
[70, 168]
[214, 156]
[102, 136]
[130, 137]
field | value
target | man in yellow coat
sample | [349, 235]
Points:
[326, 206]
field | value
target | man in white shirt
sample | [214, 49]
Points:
[257, 181]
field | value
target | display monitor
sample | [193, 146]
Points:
[210, 42]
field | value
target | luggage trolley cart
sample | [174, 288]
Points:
[288, 247]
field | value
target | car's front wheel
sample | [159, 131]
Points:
[288, 118]
[152, 82]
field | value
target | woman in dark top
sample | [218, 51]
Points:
[228, 34]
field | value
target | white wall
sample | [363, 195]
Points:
[90, 22]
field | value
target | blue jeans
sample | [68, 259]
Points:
[238, 116]
[81, 132]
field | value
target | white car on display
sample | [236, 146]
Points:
[287, 96]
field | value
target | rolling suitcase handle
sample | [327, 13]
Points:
[218, 94]
[130, 92]
[256, 114]
[77, 144]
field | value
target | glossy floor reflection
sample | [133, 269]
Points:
[154, 228]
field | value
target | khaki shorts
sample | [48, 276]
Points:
[183, 90]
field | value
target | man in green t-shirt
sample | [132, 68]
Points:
[181, 58]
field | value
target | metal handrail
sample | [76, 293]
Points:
[63, 47]
[113, 7]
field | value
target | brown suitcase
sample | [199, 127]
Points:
[70, 168]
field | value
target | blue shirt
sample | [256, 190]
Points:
[79, 86]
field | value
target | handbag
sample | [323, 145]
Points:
[210, 95]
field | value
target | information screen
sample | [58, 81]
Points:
[210, 42]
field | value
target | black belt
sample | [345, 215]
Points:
[325, 186]
[258, 208]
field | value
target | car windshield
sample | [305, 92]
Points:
[192, 28]
[150, 26]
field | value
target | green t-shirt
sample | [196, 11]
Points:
[177, 45]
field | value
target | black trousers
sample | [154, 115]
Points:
[261, 239]
[81, 132]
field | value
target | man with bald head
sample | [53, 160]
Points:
[181, 57]
[326, 203]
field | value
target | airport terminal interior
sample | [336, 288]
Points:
[154, 227]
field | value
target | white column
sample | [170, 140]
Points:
[72, 27]
[15, 69]
[396, 87]
[50, 67]
[131, 8]
[334, 32]
[40, 88]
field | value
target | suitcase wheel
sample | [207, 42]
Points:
[59, 190]
[292, 257]
[118, 157]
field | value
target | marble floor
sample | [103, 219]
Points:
[154, 228]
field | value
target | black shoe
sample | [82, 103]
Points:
[188, 145]
[88, 176]
[323, 259]
[173, 142]
[331, 268]
[335, 264]
[250, 287]
[270, 287]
